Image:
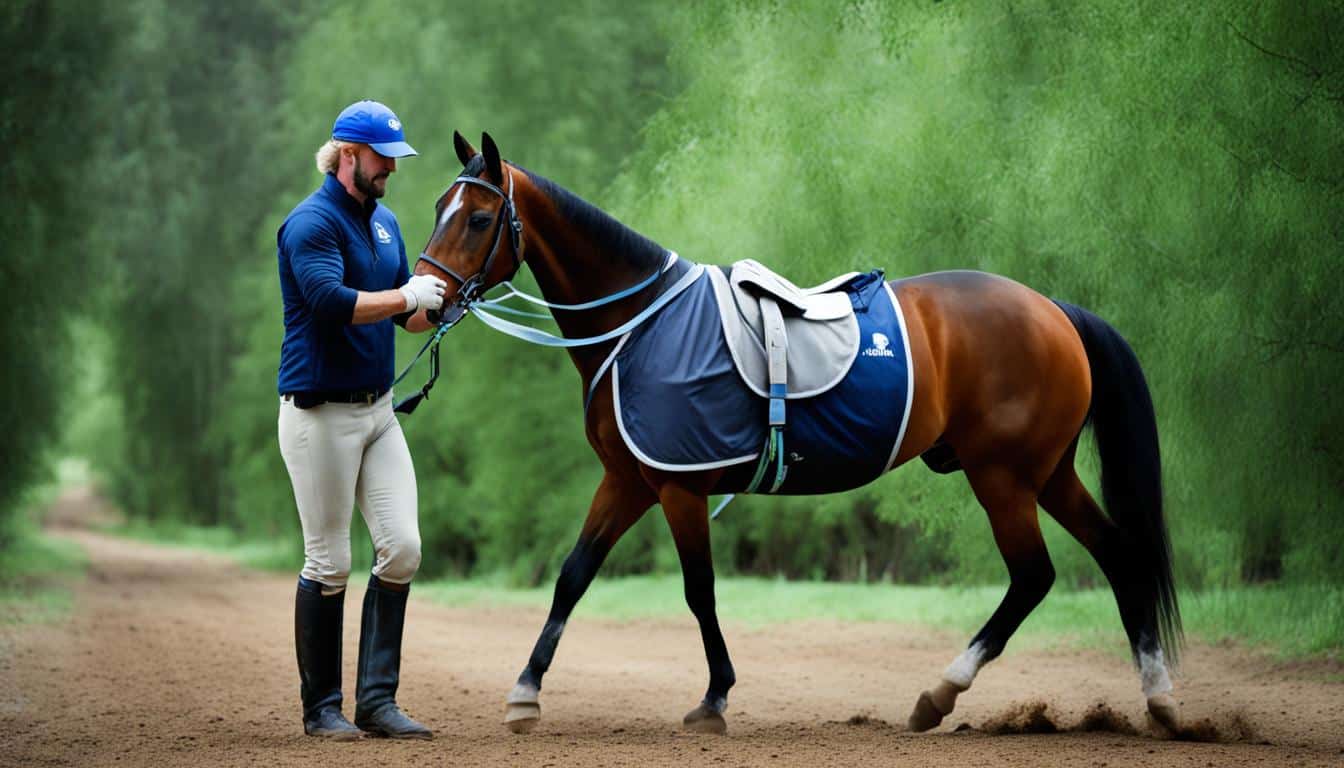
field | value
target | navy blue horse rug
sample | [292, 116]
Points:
[692, 385]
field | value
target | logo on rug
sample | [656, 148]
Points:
[881, 347]
[383, 236]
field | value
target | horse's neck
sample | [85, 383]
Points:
[570, 270]
[580, 255]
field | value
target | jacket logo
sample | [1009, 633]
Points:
[380, 233]
[881, 347]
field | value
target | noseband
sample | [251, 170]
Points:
[471, 288]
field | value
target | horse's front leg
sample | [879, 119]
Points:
[616, 506]
[688, 517]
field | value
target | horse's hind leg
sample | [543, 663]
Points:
[1067, 500]
[688, 517]
[1010, 501]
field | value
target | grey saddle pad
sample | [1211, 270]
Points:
[823, 334]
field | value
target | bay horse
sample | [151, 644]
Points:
[1005, 381]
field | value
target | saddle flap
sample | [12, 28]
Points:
[751, 279]
[819, 351]
[828, 306]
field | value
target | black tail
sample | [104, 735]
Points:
[1131, 464]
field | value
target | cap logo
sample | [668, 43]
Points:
[394, 124]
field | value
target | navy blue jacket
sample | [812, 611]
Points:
[330, 247]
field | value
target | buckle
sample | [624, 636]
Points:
[370, 398]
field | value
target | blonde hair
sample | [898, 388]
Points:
[329, 155]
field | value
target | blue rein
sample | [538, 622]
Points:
[485, 310]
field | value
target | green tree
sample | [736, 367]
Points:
[51, 113]
[1175, 168]
[191, 174]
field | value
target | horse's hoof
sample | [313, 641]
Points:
[1165, 711]
[522, 718]
[933, 706]
[925, 716]
[702, 719]
[522, 710]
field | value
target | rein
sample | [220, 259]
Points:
[484, 310]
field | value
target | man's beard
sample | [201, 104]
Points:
[366, 185]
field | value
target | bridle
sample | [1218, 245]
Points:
[471, 288]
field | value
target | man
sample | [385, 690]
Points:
[345, 280]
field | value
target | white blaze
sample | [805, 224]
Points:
[455, 204]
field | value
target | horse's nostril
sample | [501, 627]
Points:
[433, 315]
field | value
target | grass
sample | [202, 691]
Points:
[266, 555]
[1289, 621]
[1295, 620]
[38, 572]
[36, 576]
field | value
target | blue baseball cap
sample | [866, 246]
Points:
[368, 122]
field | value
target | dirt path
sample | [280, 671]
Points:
[175, 658]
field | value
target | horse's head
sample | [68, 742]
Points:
[477, 242]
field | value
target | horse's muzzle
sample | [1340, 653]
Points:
[449, 315]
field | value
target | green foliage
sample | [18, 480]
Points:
[1174, 168]
[35, 573]
[52, 70]
[36, 570]
[278, 554]
[192, 168]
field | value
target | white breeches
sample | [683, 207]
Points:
[337, 454]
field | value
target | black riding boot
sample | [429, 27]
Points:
[376, 709]
[317, 640]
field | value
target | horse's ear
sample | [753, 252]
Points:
[464, 149]
[493, 169]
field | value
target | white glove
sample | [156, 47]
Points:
[423, 291]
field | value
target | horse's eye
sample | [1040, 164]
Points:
[479, 221]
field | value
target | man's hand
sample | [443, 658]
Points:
[423, 292]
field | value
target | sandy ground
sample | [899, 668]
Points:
[172, 657]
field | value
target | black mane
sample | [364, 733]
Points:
[600, 226]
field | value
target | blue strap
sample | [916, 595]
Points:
[605, 300]
[432, 340]
[541, 338]
[726, 499]
[496, 306]
[778, 392]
